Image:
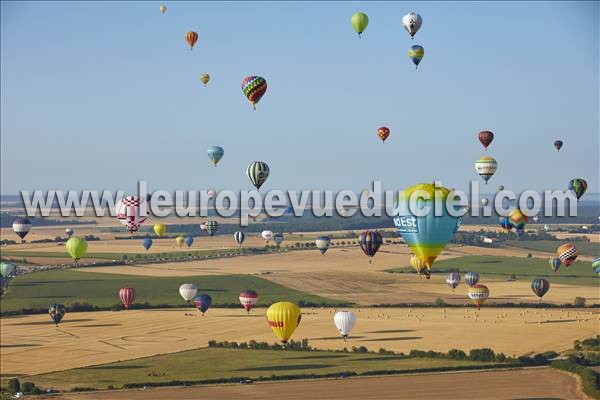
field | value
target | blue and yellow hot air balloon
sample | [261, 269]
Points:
[215, 153]
[426, 235]
[554, 263]
[596, 265]
[416, 54]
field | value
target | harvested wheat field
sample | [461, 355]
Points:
[31, 344]
[524, 384]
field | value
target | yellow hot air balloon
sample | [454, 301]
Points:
[160, 229]
[419, 265]
[283, 318]
[204, 78]
[179, 240]
[162, 9]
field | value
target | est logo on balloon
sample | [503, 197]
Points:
[406, 224]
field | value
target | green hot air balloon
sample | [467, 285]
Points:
[360, 22]
[7, 269]
[76, 247]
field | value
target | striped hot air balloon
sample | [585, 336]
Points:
[506, 224]
[370, 242]
[567, 253]
[21, 226]
[486, 167]
[248, 299]
[554, 263]
[211, 227]
[254, 88]
[202, 302]
[191, 38]
[478, 294]
[132, 212]
[579, 186]
[127, 296]
[57, 312]
[471, 278]
[453, 280]
[239, 237]
[257, 172]
[540, 287]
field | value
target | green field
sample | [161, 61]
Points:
[579, 273]
[216, 363]
[550, 246]
[40, 289]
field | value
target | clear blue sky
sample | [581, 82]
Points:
[99, 95]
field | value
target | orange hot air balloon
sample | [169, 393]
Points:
[567, 253]
[383, 133]
[191, 37]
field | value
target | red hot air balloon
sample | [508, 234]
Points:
[486, 137]
[383, 133]
[248, 299]
[191, 37]
[127, 296]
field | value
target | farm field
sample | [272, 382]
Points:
[31, 344]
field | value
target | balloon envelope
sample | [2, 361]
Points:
[323, 243]
[540, 287]
[57, 312]
[567, 253]
[189, 240]
[486, 167]
[278, 238]
[558, 144]
[471, 278]
[416, 54]
[248, 299]
[370, 242]
[179, 240]
[554, 263]
[267, 235]
[7, 269]
[359, 22]
[147, 243]
[76, 247]
[344, 322]
[160, 229]
[254, 88]
[257, 172]
[383, 133]
[21, 226]
[453, 279]
[127, 296]
[203, 302]
[215, 153]
[132, 212]
[283, 318]
[204, 78]
[579, 186]
[69, 232]
[478, 294]
[239, 237]
[188, 291]
[211, 227]
[486, 137]
[191, 38]
[412, 22]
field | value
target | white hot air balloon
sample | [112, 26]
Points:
[412, 22]
[69, 232]
[267, 235]
[188, 291]
[344, 322]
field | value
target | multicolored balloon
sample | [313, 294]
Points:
[147, 243]
[471, 278]
[558, 144]
[132, 212]
[518, 219]
[596, 265]
[540, 287]
[203, 302]
[254, 87]
[127, 296]
[215, 153]
[579, 186]
[416, 53]
[239, 237]
[506, 224]
[453, 280]
[57, 312]
[486, 167]
[323, 243]
[283, 318]
[188, 291]
[257, 172]
[76, 247]
[344, 321]
[248, 299]
[486, 138]
[567, 254]
[21, 226]
[554, 263]
[204, 78]
[359, 22]
[160, 229]
[191, 38]
[370, 242]
[383, 133]
[426, 235]
[478, 294]
[212, 227]
[412, 22]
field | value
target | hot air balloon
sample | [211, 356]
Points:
[204, 78]
[179, 240]
[283, 318]
[69, 232]
[76, 247]
[486, 167]
[21, 226]
[416, 53]
[596, 265]
[127, 296]
[254, 87]
[412, 22]
[471, 278]
[188, 291]
[57, 312]
[257, 172]
[426, 235]
[518, 219]
[370, 242]
[203, 226]
[486, 137]
[558, 144]
[202, 302]
[7, 269]
[360, 22]
[267, 235]
[554, 263]
[567, 254]
[323, 243]
[162, 9]
[453, 280]
[191, 38]
[147, 243]
[212, 193]
[239, 237]
[500, 188]
[419, 265]
[344, 322]
[478, 294]
[160, 229]
[215, 153]
[132, 212]
[484, 201]
[278, 239]
[540, 287]
[212, 227]
[579, 186]
[248, 299]
[506, 224]
[189, 240]
[383, 133]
